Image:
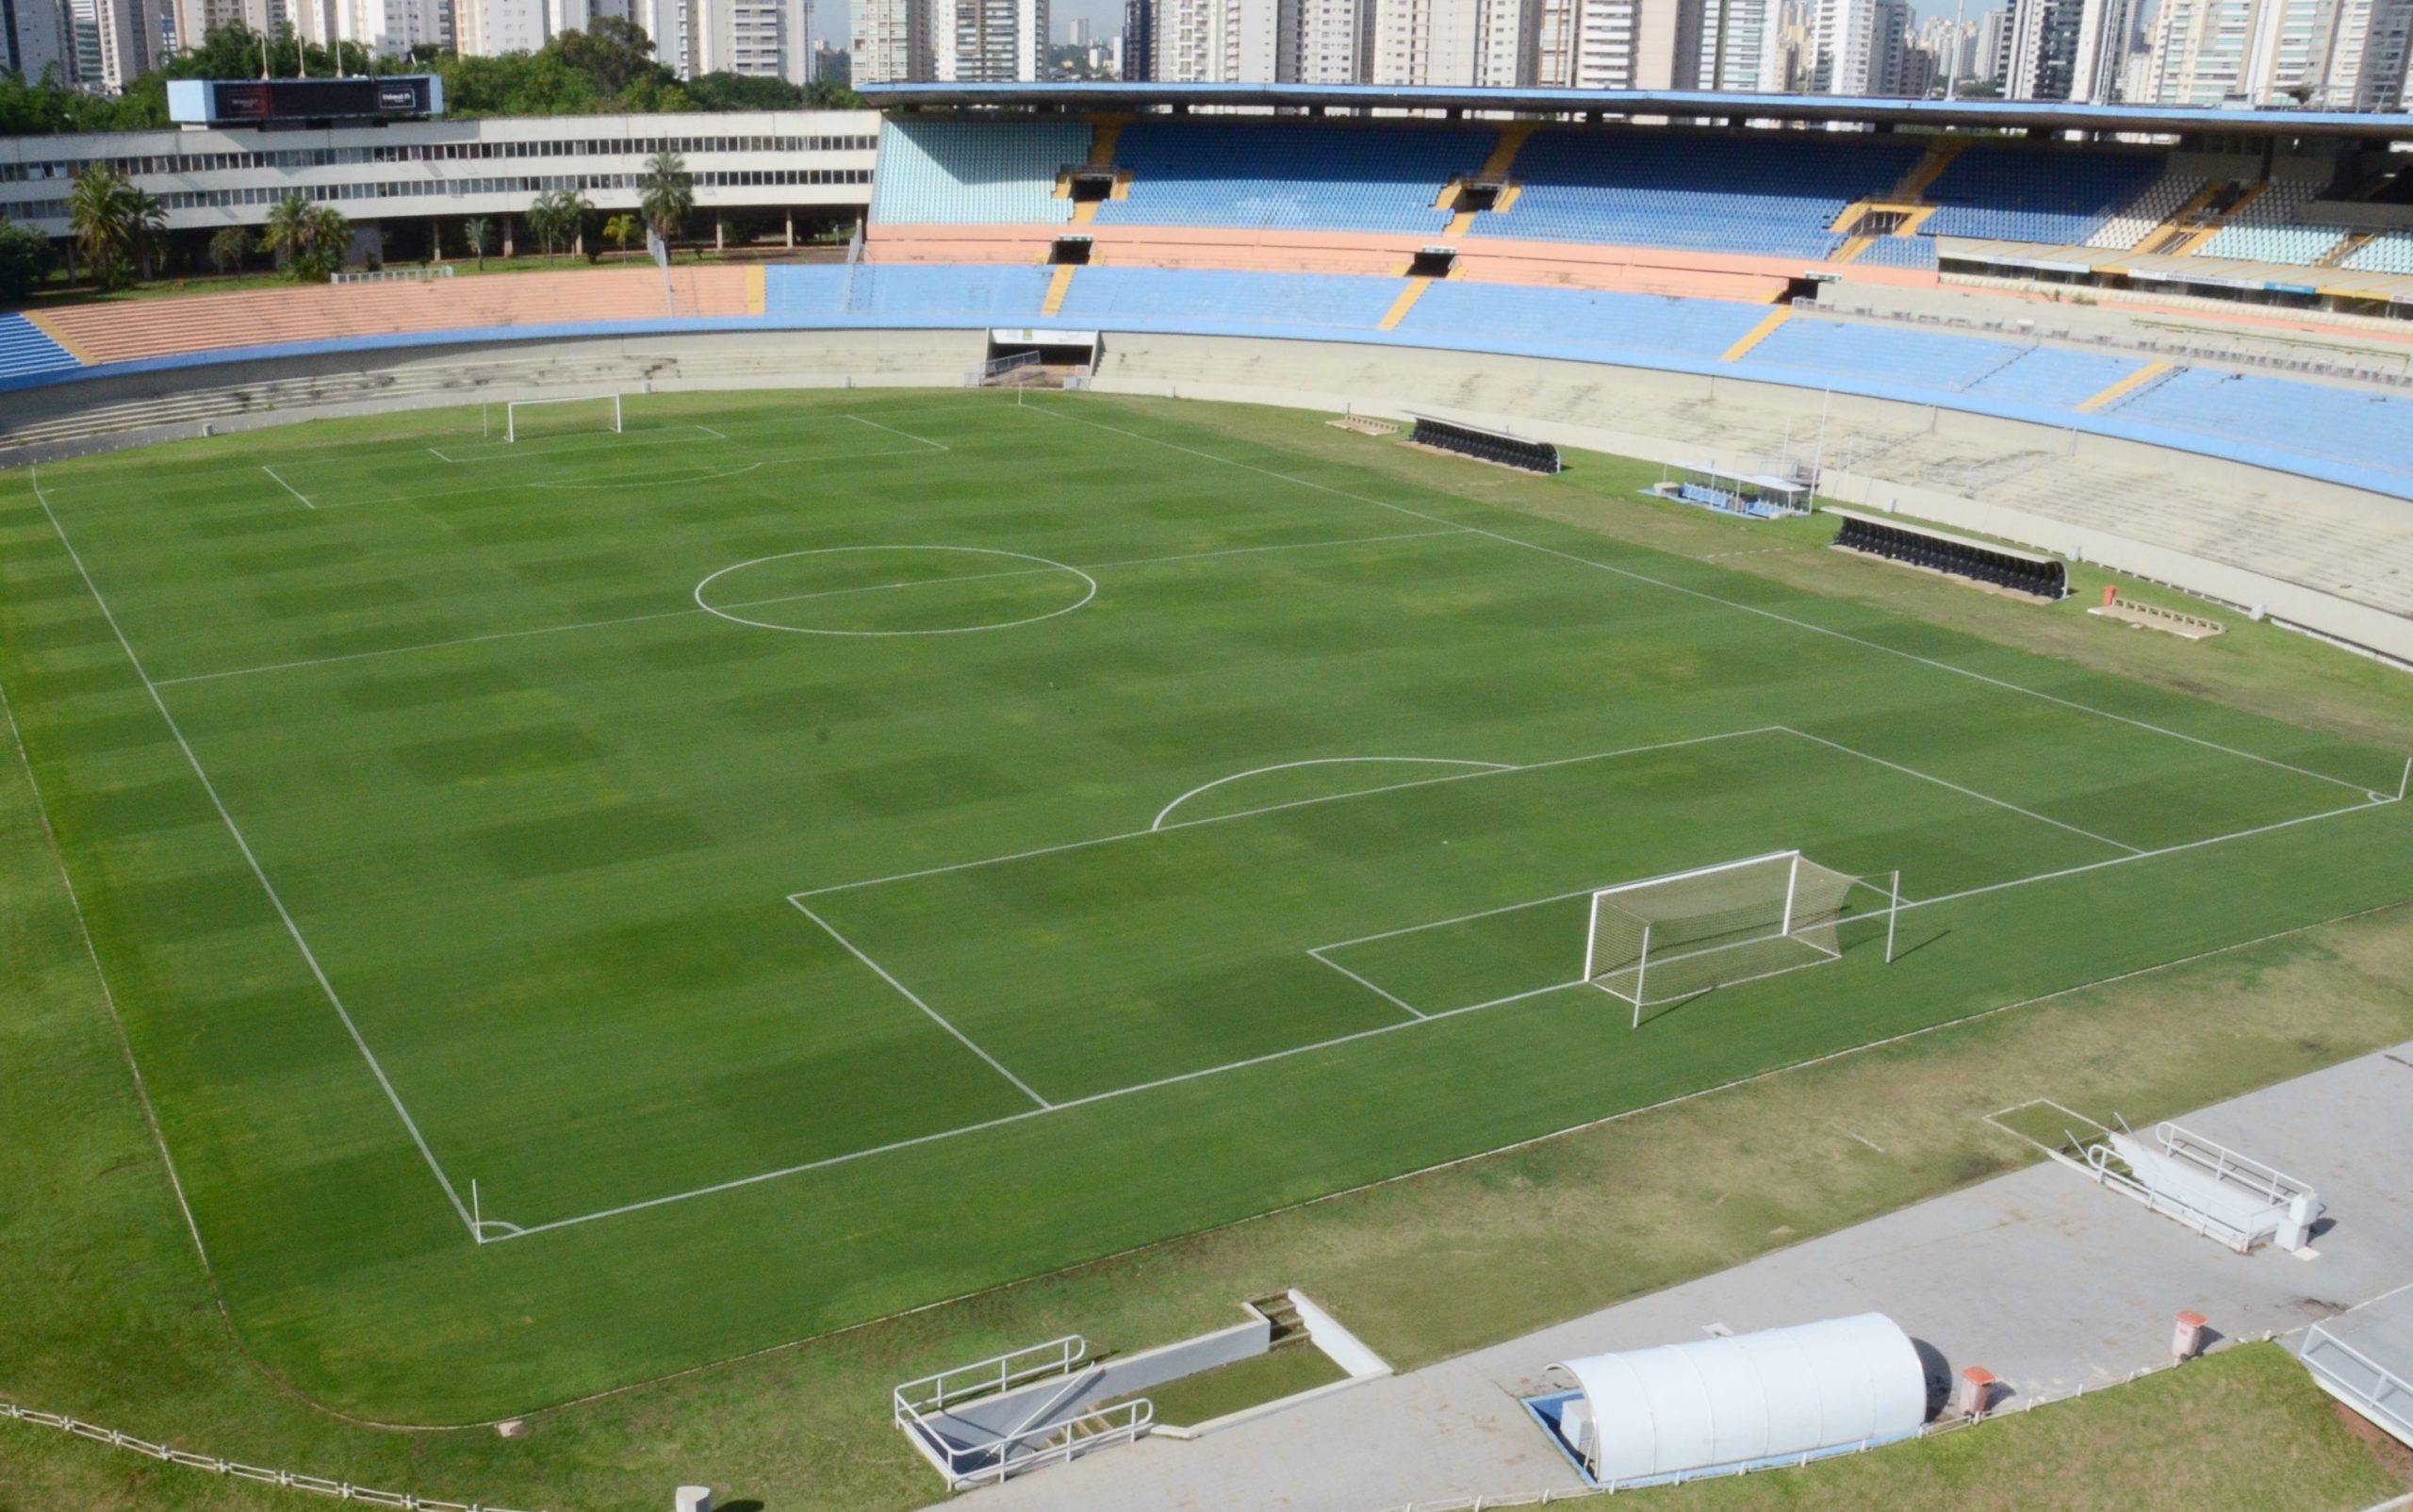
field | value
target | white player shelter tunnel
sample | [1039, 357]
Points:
[1724, 1406]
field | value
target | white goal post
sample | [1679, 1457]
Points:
[608, 421]
[1672, 937]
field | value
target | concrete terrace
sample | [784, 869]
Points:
[2051, 1282]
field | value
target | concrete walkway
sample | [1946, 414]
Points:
[2040, 1276]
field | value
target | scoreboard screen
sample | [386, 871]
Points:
[295, 101]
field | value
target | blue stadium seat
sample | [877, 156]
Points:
[1900, 251]
[2055, 376]
[1918, 359]
[2025, 194]
[1636, 322]
[2371, 430]
[981, 293]
[975, 172]
[1290, 177]
[1775, 196]
[25, 350]
[1219, 298]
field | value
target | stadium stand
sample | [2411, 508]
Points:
[2021, 194]
[159, 328]
[1222, 298]
[1900, 251]
[2055, 376]
[2163, 198]
[2263, 228]
[976, 173]
[1290, 176]
[797, 290]
[1776, 198]
[2391, 253]
[1916, 359]
[1637, 323]
[25, 350]
[2350, 425]
[979, 293]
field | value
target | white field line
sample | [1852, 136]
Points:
[1321, 760]
[910, 997]
[1969, 792]
[1677, 1101]
[1402, 1003]
[499, 451]
[1274, 808]
[259, 874]
[381, 500]
[1705, 596]
[757, 603]
[647, 479]
[109, 995]
[288, 487]
[935, 446]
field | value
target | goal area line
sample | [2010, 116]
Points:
[1425, 1016]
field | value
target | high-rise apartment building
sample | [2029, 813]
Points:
[2244, 51]
[891, 41]
[989, 42]
[1740, 48]
[1335, 42]
[1617, 45]
[34, 38]
[1859, 47]
[2068, 49]
[1446, 43]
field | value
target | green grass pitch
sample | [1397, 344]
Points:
[809, 856]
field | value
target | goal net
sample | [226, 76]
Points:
[1672, 937]
[526, 419]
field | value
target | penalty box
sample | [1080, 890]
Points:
[1103, 964]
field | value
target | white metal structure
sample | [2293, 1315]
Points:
[2359, 1381]
[1670, 937]
[941, 1415]
[2212, 1189]
[511, 414]
[1730, 1404]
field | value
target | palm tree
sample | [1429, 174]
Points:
[479, 236]
[103, 216]
[557, 216]
[666, 193]
[146, 223]
[312, 238]
[622, 229]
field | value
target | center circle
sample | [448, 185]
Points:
[894, 590]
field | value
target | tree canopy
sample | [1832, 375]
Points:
[609, 67]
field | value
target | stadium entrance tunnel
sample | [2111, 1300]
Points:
[894, 590]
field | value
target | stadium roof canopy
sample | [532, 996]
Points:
[1997, 115]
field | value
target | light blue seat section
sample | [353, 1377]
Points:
[1775, 198]
[25, 350]
[1917, 360]
[816, 288]
[2369, 430]
[2389, 254]
[2022, 194]
[1636, 322]
[1227, 298]
[1899, 251]
[2302, 245]
[981, 293]
[975, 172]
[1290, 177]
[2053, 375]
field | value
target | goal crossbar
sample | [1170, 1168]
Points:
[511, 410]
[1674, 936]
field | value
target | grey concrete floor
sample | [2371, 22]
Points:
[2048, 1281]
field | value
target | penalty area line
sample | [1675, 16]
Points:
[288, 487]
[935, 446]
[910, 995]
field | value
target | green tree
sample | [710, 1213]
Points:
[666, 193]
[228, 249]
[105, 214]
[25, 259]
[743, 91]
[312, 237]
[623, 229]
[479, 235]
[557, 217]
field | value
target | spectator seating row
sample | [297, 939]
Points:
[2349, 424]
[975, 172]
[1776, 196]
[1457, 310]
[2391, 253]
[2163, 198]
[1290, 177]
[2263, 229]
[2004, 193]
[1900, 251]
[25, 350]
[1103, 295]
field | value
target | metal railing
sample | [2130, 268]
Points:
[971, 1456]
[396, 276]
[2372, 1401]
[340, 1490]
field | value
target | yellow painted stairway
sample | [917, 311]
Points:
[1496, 167]
[1417, 284]
[1057, 287]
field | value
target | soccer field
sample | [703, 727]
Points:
[594, 904]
